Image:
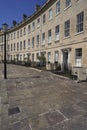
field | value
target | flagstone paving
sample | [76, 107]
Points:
[39, 100]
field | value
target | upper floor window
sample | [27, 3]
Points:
[21, 33]
[67, 28]
[24, 46]
[17, 34]
[11, 47]
[8, 37]
[28, 43]
[58, 7]
[44, 18]
[38, 39]
[49, 36]
[50, 14]
[80, 22]
[8, 48]
[14, 35]
[24, 30]
[17, 46]
[29, 28]
[14, 47]
[43, 38]
[11, 36]
[57, 32]
[33, 26]
[67, 3]
[21, 45]
[38, 22]
[33, 42]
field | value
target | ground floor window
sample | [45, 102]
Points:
[33, 57]
[56, 56]
[49, 56]
[78, 57]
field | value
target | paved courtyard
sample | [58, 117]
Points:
[39, 100]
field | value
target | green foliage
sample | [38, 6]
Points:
[42, 58]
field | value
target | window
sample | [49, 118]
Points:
[21, 45]
[38, 22]
[24, 30]
[43, 38]
[11, 36]
[8, 37]
[14, 35]
[17, 34]
[28, 43]
[8, 48]
[44, 18]
[33, 42]
[21, 33]
[33, 57]
[37, 55]
[24, 46]
[17, 46]
[33, 26]
[11, 47]
[57, 32]
[50, 14]
[56, 56]
[49, 36]
[80, 22]
[67, 28]
[58, 7]
[78, 57]
[49, 56]
[67, 3]
[38, 40]
[14, 47]
[20, 57]
[29, 28]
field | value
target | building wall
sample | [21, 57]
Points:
[64, 44]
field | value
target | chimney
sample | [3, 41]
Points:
[24, 16]
[14, 23]
[37, 7]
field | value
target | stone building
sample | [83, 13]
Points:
[58, 30]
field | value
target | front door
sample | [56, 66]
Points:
[65, 60]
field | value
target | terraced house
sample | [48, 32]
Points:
[58, 30]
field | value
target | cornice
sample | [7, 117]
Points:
[29, 19]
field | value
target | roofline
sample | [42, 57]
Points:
[29, 18]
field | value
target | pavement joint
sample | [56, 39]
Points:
[46, 101]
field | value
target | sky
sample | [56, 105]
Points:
[14, 9]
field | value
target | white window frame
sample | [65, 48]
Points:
[57, 33]
[49, 36]
[44, 18]
[50, 14]
[56, 55]
[80, 22]
[33, 26]
[67, 3]
[29, 28]
[29, 42]
[58, 7]
[67, 28]
[49, 56]
[43, 38]
[78, 57]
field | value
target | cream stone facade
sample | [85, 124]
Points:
[58, 29]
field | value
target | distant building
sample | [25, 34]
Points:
[58, 29]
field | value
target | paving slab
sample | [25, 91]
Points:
[39, 100]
